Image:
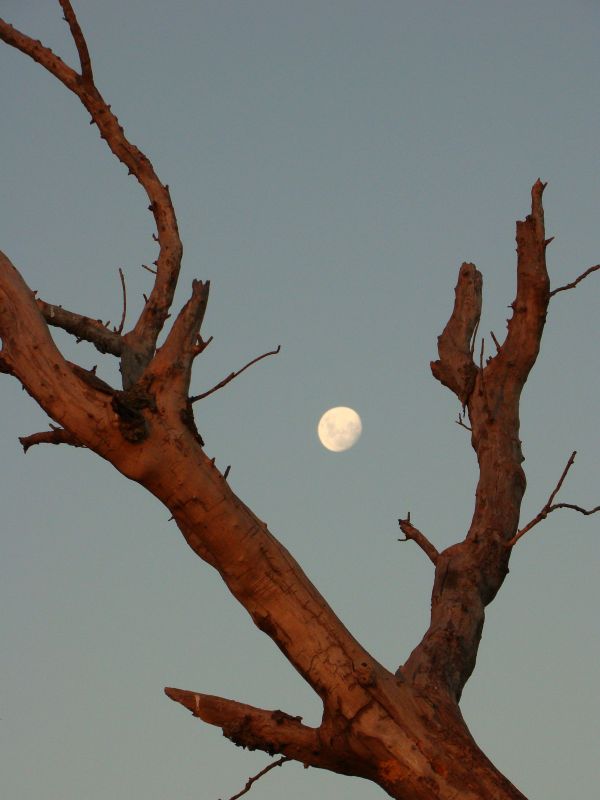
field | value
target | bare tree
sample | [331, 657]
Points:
[403, 729]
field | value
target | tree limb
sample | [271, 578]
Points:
[119, 330]
[259, 775]
[549, 507]
[251, 727]
[412, 533]
[525, 327]
[30, 354]
[455, 367]
[469, 574]
[140, 342]
[53, 436]
[172, 365]
[574, 283]
[233, 375]
[79, 39]
[83, 328]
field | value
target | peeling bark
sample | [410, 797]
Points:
[403, 731]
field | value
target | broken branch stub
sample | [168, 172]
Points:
[455, 367]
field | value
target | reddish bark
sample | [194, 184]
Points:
[403, 731]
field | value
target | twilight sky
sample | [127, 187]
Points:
[332, 164]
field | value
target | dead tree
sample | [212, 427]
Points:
[402, 729]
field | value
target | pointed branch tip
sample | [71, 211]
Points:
[259, 775]
[119, 330]
[574, 283]
[550, 506]
[233, 375]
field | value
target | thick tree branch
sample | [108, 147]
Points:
[233, 375]
[171, 367]
[83, 328]
[525, 327]
[30, 354]
[469, 574]
[251, 727]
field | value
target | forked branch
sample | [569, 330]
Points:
[140, 343]
[79, 39]
[550, 506]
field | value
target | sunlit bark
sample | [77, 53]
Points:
[402, 730]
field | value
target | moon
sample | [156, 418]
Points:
[339, 428]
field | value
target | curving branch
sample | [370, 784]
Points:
[140, 342]
[233, 375]
[574, 283]
[414, 534]
[252, 780]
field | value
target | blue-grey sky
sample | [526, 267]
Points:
[331, 163]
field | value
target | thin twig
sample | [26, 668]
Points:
[413, 534]
[574, 283]
[152, 271]
[474, 337]
[549, 507]
[496, 342]
[119, 330]
[79, 39]
[481, 351]
[264, 771]
[460, 421]
[585, 511]
[233, 375]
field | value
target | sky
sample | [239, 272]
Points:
[332, 164]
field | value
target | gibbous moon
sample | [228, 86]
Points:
[339, 428]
